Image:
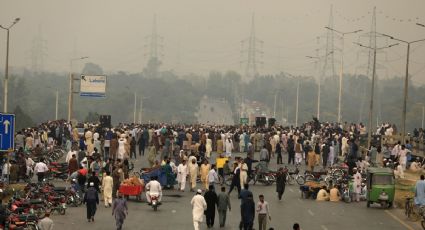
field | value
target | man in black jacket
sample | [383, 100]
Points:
[212, 201]
[91, 199]
[247, 213]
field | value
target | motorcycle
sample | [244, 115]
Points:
[154, 202]
[267, 178]
[17, 221]
[57, 204]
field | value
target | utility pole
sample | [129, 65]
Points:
[342, 66]
[6, 69]
[318, 80]
[253, 51]
[406, 84]
[274, 107]
[372, 90]
[296, 106]
[71, 87]
[57, 105]
[135, 107]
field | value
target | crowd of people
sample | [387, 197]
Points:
[100, 158]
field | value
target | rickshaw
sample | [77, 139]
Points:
[380, 184]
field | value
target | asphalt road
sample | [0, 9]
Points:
[175, 213]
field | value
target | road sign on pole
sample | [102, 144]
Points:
[7, 131]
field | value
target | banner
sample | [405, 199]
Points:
[93, 86]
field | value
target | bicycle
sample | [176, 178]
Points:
[409, 210]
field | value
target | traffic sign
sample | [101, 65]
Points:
[244, 121]
[7, 131]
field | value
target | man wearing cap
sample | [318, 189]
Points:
[199, 205]
[91, 199]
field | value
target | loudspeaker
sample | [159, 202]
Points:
[272, 121]
[105, 121]
[260, 121]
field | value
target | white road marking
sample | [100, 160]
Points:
[173, 211]
[324, 227]
[399, 220]
[310, 212]
[300, 200]
[291, 190]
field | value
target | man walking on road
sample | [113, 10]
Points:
[198, 207]
[91, 199]
[119, 211]
[263, 213]
[212, 200]
[247, 213]
[280, 183]
[222, 204]
[107, 186]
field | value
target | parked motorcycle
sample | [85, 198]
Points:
[266, 178]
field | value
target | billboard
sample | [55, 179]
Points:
[93, 86]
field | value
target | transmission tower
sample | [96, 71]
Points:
[252, 49]
[373, 37]
[38, 52]
[329, 63]
[154, 44]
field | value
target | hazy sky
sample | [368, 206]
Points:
[204, 35]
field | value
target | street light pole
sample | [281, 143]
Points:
[135, 108]
[6, 69]
[406, 84]
[372, 89]
[423, 115]
[296, 107]
[274, 107]
[71, 88]
[57, 104]
[342, 67]
[319, 80]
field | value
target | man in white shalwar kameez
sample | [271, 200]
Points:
[357, 185]
[193, 173]
[182, 174]
[199, 205]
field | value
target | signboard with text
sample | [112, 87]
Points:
[93, 86]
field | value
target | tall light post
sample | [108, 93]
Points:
[71, 87]
[296, 109]
[342, 34]
[6, 69]
[319, 81]
[406, 83]
[135, 108]
[297, 100]
[372, 89]
[141, 108]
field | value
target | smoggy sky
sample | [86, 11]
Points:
[204, 35]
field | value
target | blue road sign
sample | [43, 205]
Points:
[7, 131]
